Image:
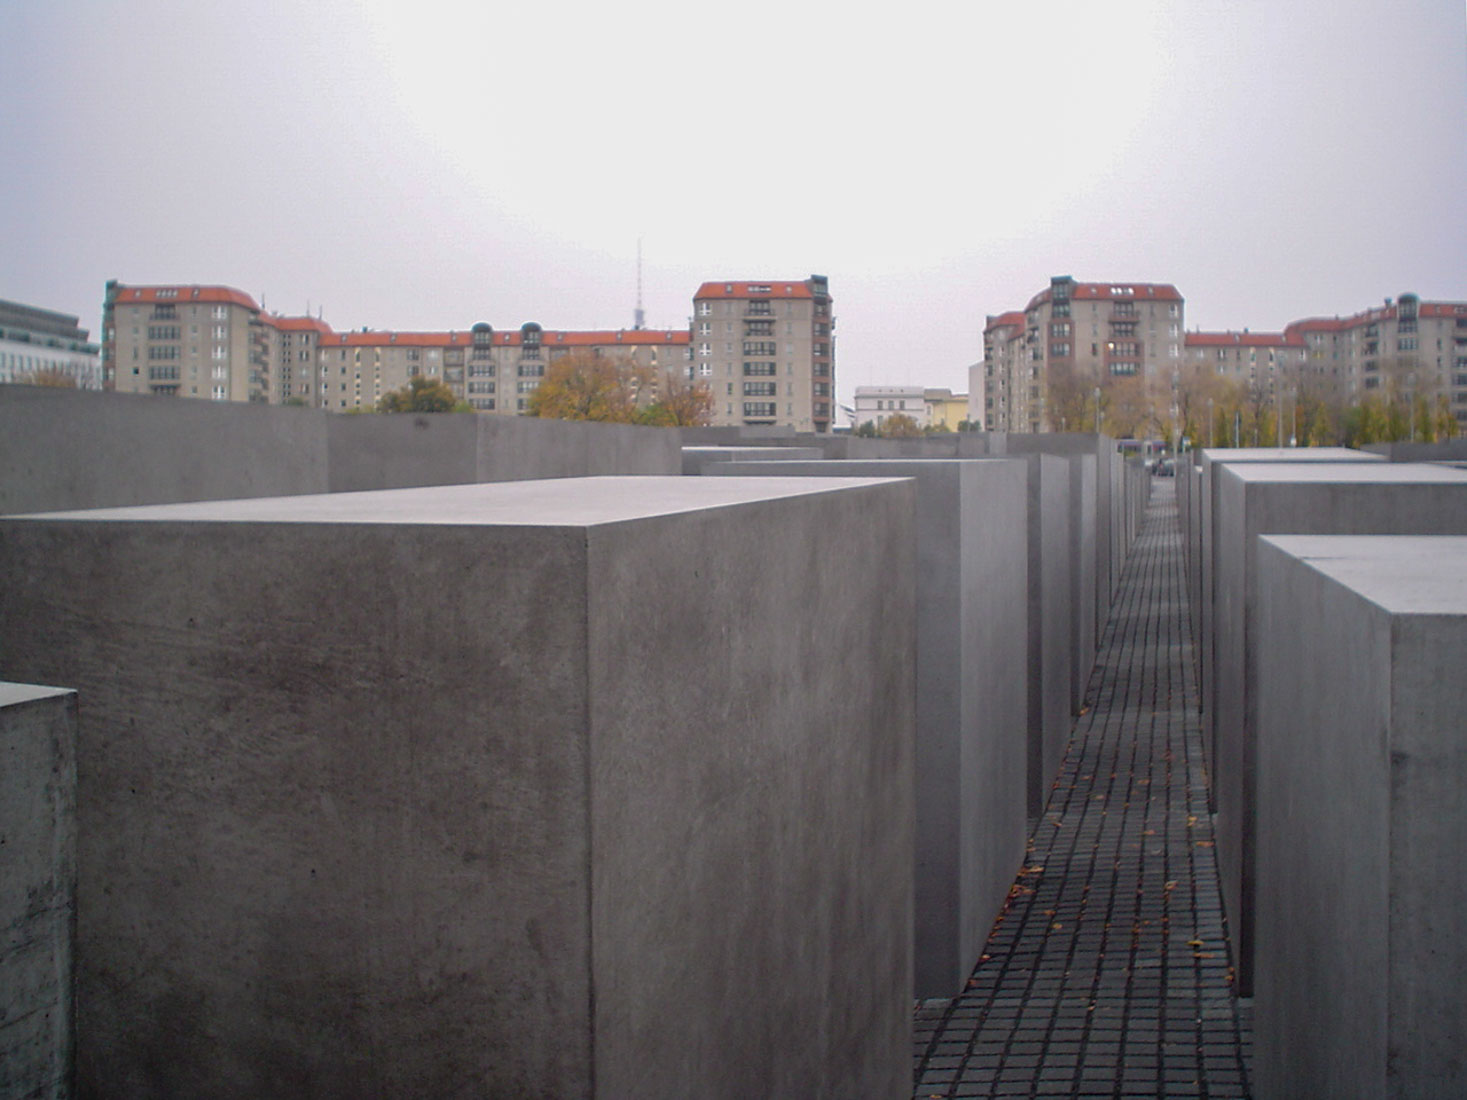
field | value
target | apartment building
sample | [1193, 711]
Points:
[1406, 347]
[767, 351]
[1076, 334]
[39, 344]
[215, 342]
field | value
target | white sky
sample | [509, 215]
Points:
[427, 165]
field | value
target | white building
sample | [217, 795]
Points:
[37, 345]
[877, 403]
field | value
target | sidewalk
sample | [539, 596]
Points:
[1107, 974]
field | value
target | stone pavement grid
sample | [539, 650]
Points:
[1107, 974]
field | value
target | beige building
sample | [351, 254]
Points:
[1076, 335]
[767, 351]
[216, 343]
[1405, 348]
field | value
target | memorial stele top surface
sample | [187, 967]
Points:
[560, 502]
[1403, 574]
[1348, 473]
[1289, 454]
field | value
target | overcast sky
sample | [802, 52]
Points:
[426, 165]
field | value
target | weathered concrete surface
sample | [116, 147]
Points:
[1362, 891]
[1206, 582]
[1069, 444]
[1448, 450]
[404, 451]
[1083, 603]
[696, 460]
[1290, 498]
[37, 889]
[66, 449]
[63, 450]
[1049, 622]
[378, 788]
[972, 626]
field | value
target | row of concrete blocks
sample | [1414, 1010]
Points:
[1328, 627]
[354, 766]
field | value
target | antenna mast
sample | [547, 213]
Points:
[640, 316]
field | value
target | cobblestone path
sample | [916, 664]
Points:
[1107, 974]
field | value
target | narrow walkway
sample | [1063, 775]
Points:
[1107, 974]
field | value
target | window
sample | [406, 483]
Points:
[1406, 343]
[761, 309]
[162, 374]
[759, 409]
[166, 351]
[1060, 328]
[163, 332]
[704, 328]
[481, 370]
[760, 347]
[1059, 351]
[705, 308]
[759, 328]
[758, 369]
[531, 370]
[527, 387]
[760, 389]
[483, 403]
[481, 387]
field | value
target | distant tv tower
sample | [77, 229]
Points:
[640, 315]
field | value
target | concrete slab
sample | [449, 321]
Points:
[695, 460]
[1206, 582]
[972, 653]
[380, 788]
[1049, 623]
[38, 889]
[81, 449]
[403, 451]
[1290, 498]
[1362, 892]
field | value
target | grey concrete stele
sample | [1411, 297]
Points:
[1050, 630]
[972, 625]
[1362, 765]
[697, 460]
[562, 788]
[1290, 498]
[69, 449]
[37, 889]
[1205, 582]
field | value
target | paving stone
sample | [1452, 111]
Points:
[1109, 971]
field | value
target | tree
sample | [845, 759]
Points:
[422, 395]
[54, 377]
[586, 386]
[867, 430]
[681, 404]
[900, 426]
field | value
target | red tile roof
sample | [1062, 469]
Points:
[184, 295]
[299, 324]
[1004, 320]
[512, 338]
[1115, 292]
[1242, 339]
[753, 290]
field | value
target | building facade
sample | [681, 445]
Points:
[217, 343]
[41, 346]
[877, 404]
[1075, 336]
[1403, 349]
[767, 352]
